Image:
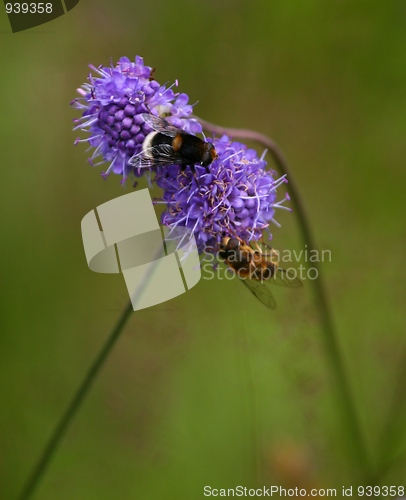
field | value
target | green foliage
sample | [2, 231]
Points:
[209, 388]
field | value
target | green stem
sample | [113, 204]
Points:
[85, 386]
[330, 336]
[74, 405]
[328, 328]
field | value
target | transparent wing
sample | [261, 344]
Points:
[269, 252]
[162, 156]
[264, 246]
[160, 125]
[280, 276]
[286, 278]
[261, 291]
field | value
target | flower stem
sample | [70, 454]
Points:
[329, 333]
[86, 384]
[74, 405]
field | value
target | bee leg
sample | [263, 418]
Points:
[183, 167]
[193, 170]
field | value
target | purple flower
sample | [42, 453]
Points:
[237, 197]
[111, 105]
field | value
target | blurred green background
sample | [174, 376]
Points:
[210, 388]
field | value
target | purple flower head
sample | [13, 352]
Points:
[237, 197]
[112, 103]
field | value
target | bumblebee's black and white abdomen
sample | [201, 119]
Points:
[156, 151]
[168, 145]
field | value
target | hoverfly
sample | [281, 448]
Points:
[256, 268]
[169, 145]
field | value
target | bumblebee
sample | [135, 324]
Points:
[256, 268]
[169, 145]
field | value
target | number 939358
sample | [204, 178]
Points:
[385, 491]
[28, 8]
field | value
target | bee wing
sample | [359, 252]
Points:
[282, 277]
[269, 252]
[162, 156]
[160, 125]
[261, 292]
[264, 246]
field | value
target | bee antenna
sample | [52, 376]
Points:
[204, 136]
